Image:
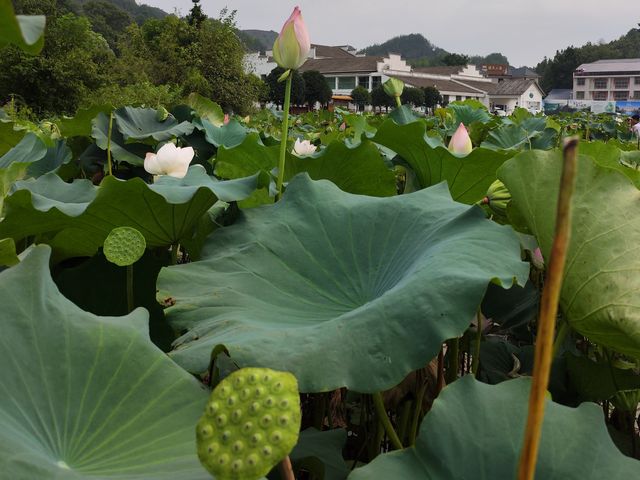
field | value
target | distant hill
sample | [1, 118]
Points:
[258, 40]
[557, 72]
[139, 13]
[411, 46]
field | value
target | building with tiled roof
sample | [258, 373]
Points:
[608, 80]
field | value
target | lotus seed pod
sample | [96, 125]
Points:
[250, 423]
[124, 246]
[498, 196]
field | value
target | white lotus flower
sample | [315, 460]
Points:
[304, 147]
[170, 160]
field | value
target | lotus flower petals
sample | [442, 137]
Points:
[291, 48]
[304, 147]
[461, 142]
[170, 160]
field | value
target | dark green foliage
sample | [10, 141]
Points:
[71, 65]
[107, 19]
[258, 40]
[196, 15]
[276, 89]
[494, 58]
[409, 46]
[361, 96]
[452, 59]
[412, 96]
[316, 88]
[432, 97]
[379, 98]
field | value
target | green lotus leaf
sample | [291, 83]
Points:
[80, 124]
[601, 281]
[230, 135]
[359, 169]
[9, 136]
[8, 255]
[339, 289]
[598, 381]
[468, 112]
[479, 435]
[320, 452]
[206, 109]
[84, 396]
[132, 153]
[468, 177]
[30, 149]
[75, 218]
[142, 123]
[24, 31]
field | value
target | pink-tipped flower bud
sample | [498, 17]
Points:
[461, 142]
[292, 46]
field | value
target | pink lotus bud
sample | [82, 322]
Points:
[170, 160]
[226, 119]
[460, 142]
[537, 259]
[343, 126]
[292, 46]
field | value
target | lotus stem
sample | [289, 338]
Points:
[440, 379]
[416, 414]
[386, 423]
[109, 163]
[548, 312]
[130, 288]
[398, 102]
[174, 253]
[286, 469]
[476, 354]
[453, 353]
[284, 136]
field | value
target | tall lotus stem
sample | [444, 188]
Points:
[548, 312]
[109, 143]
[382, 415]
[284, 136]
[286, 469]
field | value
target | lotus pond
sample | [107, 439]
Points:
[376, 320]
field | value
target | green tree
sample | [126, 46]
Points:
[379, 98]
[453, 59]
[361, 97]
[316, 88]
[432, 97]
[196, 15]
[276, 89]
[412, 96]
[73, 63]
[107, 20]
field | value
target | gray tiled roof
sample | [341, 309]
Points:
[331, 52]
[440, 84]
[342, 65]
[615, 65]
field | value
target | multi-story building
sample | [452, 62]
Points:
[608, 80]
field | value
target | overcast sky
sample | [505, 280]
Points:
[523, 30]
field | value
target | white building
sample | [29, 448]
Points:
[608, 80]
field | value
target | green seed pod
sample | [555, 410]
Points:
[124, 246]
[498, 197]
[250, 423]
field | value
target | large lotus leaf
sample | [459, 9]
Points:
[9, 136]
[8, 255]
[475, 431]
[84, 396]
[609, 155]
[80, 124]
[468, 177]
[339, 289]
[76, 217]
[24, 31]
[359, 169]
[599, 381]
[29, 149]
[206, 109]
[142, 123]
[321, 453]
[601, 281]
[468, 112]
[229, 135]
[132, 153]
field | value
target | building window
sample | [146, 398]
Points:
[621, 82]
[346, 83]
[599, 95]
[458, 98]
[331, 81]
[363, 82]
[620, 95]
[579, 81]
[600, 83]
[579, 95]
[376, 81]
[636, 80]
[636, 95]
